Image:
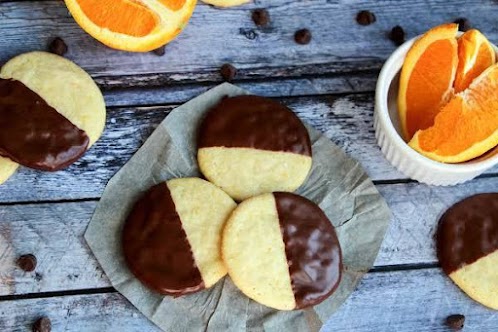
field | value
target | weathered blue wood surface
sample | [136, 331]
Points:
[329, 83]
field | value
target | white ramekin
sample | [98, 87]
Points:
[397, 151]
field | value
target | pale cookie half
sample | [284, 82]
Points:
[172, 237]
[7, 168]
[282, 251]
[467, 247]
[62, 85]
[250, 145]
[226, 3]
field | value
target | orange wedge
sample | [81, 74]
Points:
[467, 126]
[426, 81]
[132, 25]
[475, 54]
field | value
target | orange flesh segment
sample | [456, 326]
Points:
[469, 118]
[122, 16]
[467, 51]
[173, 4]
[429, 85]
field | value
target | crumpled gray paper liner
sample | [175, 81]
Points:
[336, 182]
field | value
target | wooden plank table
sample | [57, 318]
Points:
[329, 83]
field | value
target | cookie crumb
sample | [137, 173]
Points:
[397, 35]
[58, 46]
[27, 262]
[43, 324]
[365, 17]
[160, 51]
[463, 24]
[455, 322]
[302, 36]
[228, 72]
[260, 17]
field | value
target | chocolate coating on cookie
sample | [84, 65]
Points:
[312, 249]
[156, 248]
[34, 134]
[254, 122]
[468, 231]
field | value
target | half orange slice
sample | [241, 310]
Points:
[467, 126]
[426, 81]
[132, 25]
[475, 55]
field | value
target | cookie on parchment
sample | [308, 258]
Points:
[250, 145]
[281, 250]
[467, 247]
[171, 239]
[62, 107]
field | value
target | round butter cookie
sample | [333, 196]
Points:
[172, 237]
[250, 145]
[281, 250]
[52, 111]
[467, 247]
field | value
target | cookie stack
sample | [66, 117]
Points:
[279, 248]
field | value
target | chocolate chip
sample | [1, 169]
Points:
[27, 262]
[43, 324]
[455, 322]
[160, 51]
[228, 72]
[302, 36]
[397, 35]
[261, 17]
[463, 24]
[58, 46]
[365, 17]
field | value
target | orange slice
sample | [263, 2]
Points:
[475, 54]
[132, 25]
[467, 126]
[426, 81]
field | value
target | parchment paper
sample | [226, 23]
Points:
[336, 182]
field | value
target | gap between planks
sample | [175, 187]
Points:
[107, 290]
[335, 85]
[44, 295]
[94, 199]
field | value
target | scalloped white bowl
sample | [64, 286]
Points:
[398, 152]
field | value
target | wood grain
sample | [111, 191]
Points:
[54, 233]
[280, 87]
[416, 208]
[346, 120]
[328, 83]
[215, 36]
[403, 301]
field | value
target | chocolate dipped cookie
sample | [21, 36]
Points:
[250, 145]
[172, 237]
[467, 247]
[281, 250]
[51, 112]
